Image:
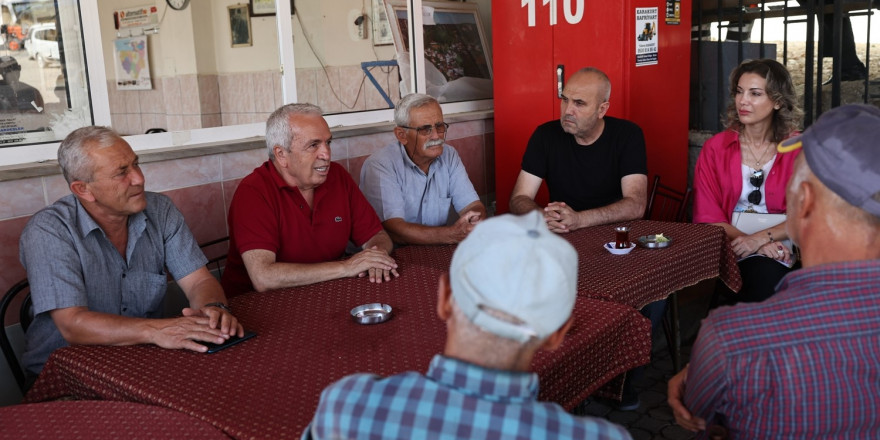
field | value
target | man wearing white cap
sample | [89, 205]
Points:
[803, 364]
[509, 292]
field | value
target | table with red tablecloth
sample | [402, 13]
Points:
[697, 252]
[101, 420]
[268, 387]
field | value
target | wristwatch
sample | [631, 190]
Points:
[219, 305]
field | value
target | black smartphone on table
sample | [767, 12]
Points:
[213, 348]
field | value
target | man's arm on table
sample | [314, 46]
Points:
[561, 218]
[380, 245]
[522, 198]
[202, 288]
[266, 273]
[404, 232]
[79, 325]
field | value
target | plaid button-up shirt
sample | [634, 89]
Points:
[803, 364]
[455, 400]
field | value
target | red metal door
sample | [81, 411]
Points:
[524, 82]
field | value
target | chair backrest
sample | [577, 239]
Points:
[26, 316]
[216, 250]
[666, 203]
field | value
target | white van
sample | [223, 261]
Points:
[42, 44]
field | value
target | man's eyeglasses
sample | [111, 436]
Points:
[756, 179]
[426, 130]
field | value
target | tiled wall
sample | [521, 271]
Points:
[189, 102]
[202, 187]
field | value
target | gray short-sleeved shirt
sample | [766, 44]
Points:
[397, 188]
[70, 262]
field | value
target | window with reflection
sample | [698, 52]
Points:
[43, 91]
[216, 63]
[353, 55]
[455, 49]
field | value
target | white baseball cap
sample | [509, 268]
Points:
[515, 265]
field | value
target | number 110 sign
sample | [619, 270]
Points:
[571, 17]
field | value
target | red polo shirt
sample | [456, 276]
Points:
[267, 213]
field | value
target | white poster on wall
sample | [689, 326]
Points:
[646, 36]
[136, 17]
[132, 63]
[381, 26]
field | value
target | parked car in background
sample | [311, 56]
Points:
[18, 16]
[42, 44]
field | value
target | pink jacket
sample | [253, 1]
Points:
[718, 179]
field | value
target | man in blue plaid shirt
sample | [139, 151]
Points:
[804, 363]
[509, 293]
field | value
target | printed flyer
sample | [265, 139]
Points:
[646, 36]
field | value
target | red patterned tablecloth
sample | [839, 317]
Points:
[268, 387]
[100, 420]
[698, 252]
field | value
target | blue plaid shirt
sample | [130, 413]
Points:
[455, 400]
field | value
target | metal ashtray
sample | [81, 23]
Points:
[650, 242]
[371, 313]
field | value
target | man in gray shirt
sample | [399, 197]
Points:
[96, 260]
[413, 182]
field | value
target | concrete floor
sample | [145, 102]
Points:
[653, 419]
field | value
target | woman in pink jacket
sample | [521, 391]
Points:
[740, 170]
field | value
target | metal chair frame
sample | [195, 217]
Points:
[25, 316]
[673, 208]
[215, 261]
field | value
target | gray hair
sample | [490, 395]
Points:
[495, 346]
[602, 76]
[279, 130]
[407, 104]
[73, 153]
[845, 210]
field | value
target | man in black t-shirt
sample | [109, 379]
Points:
[595, 165]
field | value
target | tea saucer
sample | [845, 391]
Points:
[610, 248]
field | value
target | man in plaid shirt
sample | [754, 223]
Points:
[509, 293]
[806, 362]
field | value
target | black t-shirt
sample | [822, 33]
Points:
[586, 176]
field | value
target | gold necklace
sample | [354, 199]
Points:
[758, 160]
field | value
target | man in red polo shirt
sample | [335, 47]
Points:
[291, 219]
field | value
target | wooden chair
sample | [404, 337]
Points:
[25, 316]
[668, 204]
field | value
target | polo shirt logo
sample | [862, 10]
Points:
[338, 219]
